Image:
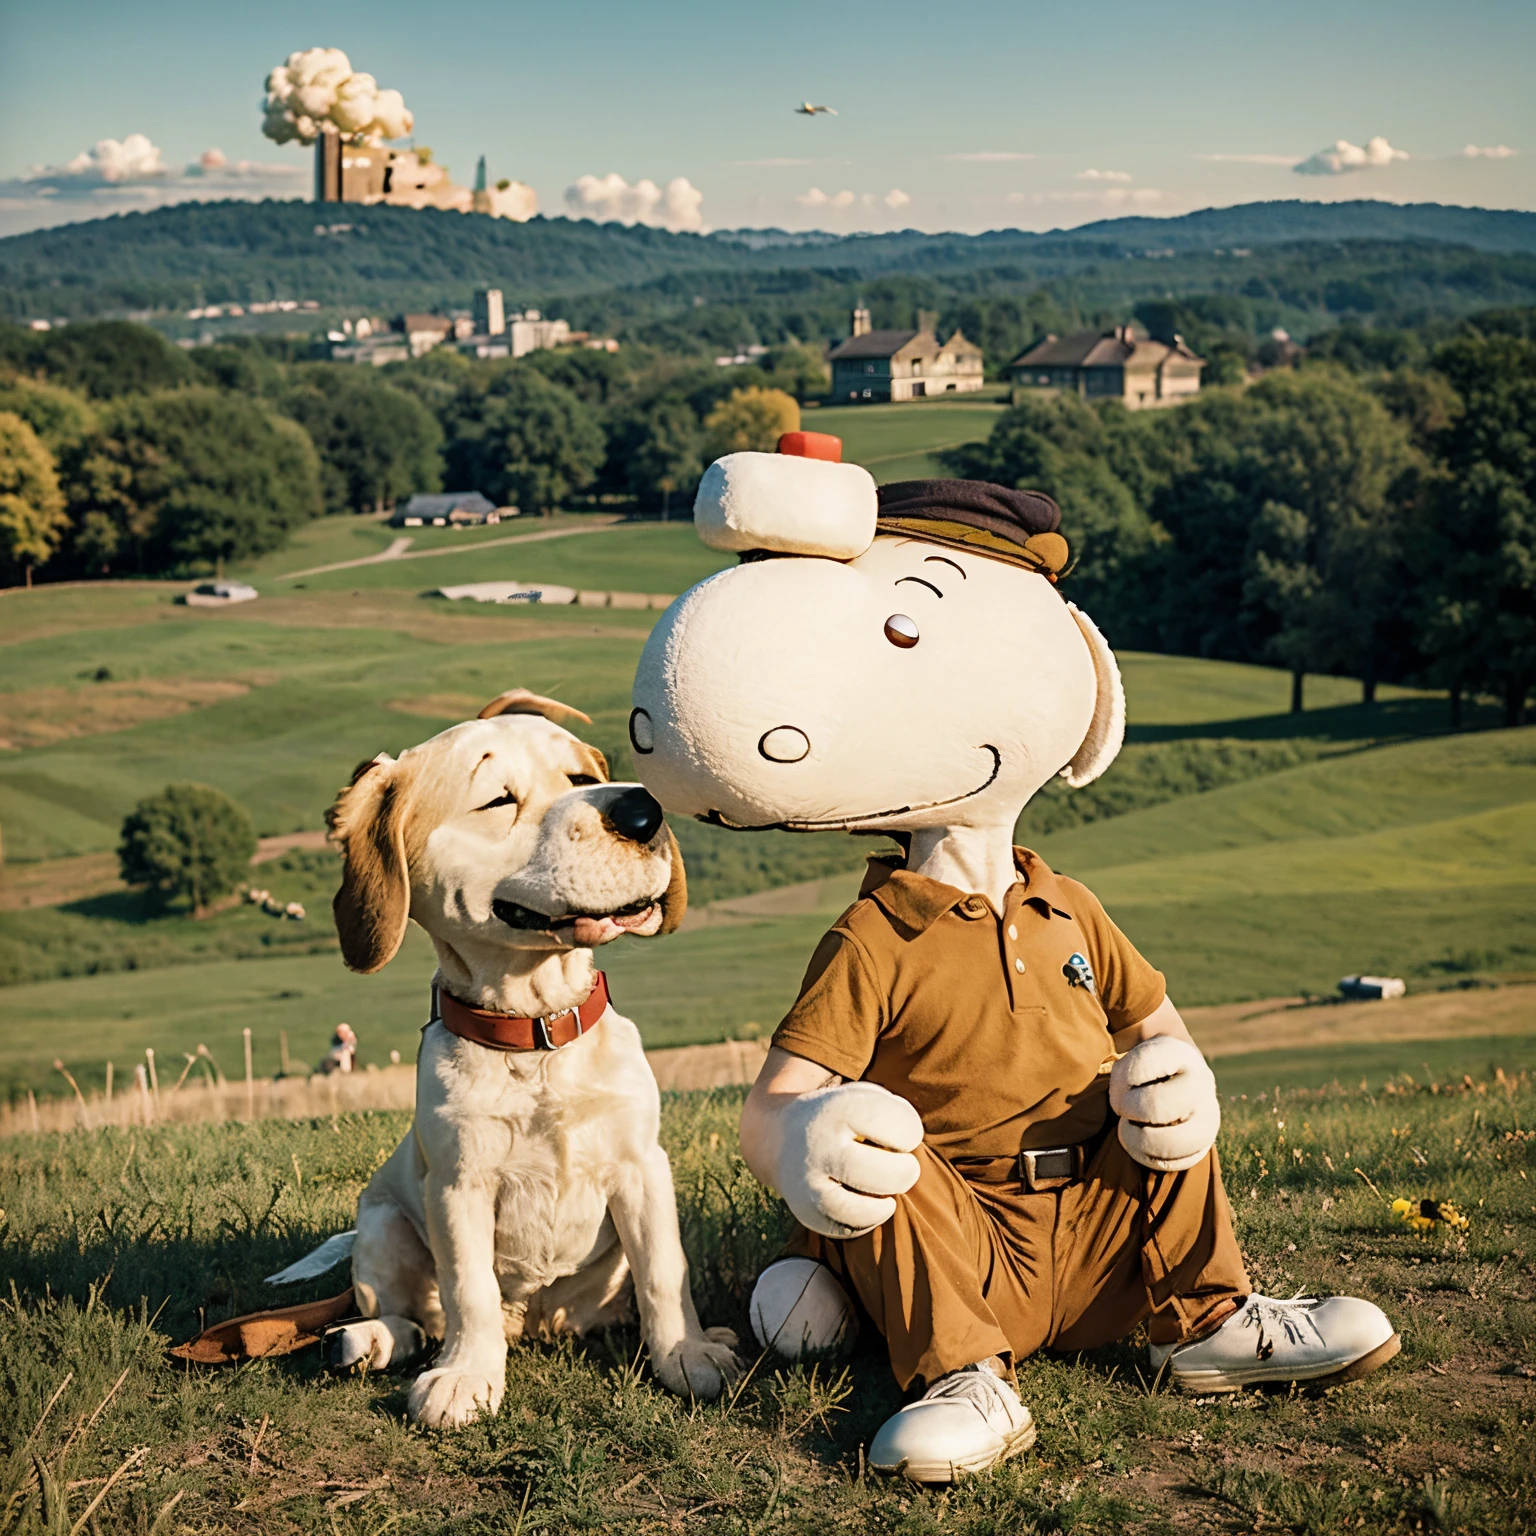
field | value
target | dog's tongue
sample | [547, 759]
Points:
[591, 931]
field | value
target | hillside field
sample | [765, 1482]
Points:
[1249, 852]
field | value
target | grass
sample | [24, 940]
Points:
[118, 1243]
[903, 442]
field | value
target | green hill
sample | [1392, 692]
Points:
[1248, 851]
[218, 253]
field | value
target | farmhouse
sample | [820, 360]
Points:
[457, 509]
[1122, 363]
[902, 365]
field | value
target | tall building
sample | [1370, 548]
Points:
[347, 171]
[490, 314]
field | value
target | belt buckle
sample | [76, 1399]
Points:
[1049, 1168]
[542, 1040]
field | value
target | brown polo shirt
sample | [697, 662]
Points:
[990, 1026]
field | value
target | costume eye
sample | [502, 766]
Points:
[901, 631]
[580, 779]
[505, 798]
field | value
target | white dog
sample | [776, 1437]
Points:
[531, 1186]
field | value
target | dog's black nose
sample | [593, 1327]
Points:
[634, 815]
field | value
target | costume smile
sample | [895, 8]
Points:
[836, 823]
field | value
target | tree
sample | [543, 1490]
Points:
[1089, 459]
[375, 443]
[32, 519]
[1476, 550]
[59, 416]
[515, 437]
[662, 449]
[188, 478]
[104, 358]
[189, 844]
[751, 421]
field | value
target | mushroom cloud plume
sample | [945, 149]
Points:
[317, 88]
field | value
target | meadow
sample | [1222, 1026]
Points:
[118, 1243]
[1250, 852]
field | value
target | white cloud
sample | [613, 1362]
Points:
[816, 198]
[317, 88]
[1490, 152]
[989, 156]
[611, 199]
[1251, 159]
[110, 163]
[1092, 175]
[896, 198]
[123, 175]
[1344, 158]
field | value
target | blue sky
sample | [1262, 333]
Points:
[965, 114]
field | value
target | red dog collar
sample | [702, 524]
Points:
[503, 1032]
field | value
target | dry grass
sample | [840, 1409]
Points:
[41, 717]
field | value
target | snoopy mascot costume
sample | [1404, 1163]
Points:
[983, 1110]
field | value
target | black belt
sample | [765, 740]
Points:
[1038, 1169]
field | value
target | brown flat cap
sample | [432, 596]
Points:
[1017, 526]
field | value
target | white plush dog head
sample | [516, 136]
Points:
[501, 832]
[909, 684]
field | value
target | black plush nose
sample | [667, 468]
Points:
[634, 815]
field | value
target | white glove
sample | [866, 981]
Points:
[846, 1151]
[1165, 1096]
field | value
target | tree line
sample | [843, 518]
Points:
[121, 454]
[1377, 523]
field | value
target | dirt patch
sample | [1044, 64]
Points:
[440, 706]
[1234, 1029]
[40, 717]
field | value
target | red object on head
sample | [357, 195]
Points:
[812, 445]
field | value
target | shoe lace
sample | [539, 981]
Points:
[1289, 1317]
[977, 1386]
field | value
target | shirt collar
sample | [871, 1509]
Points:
[917, 902]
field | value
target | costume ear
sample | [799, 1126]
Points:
[374, 903]
[1106, 730]
[518, 701]
[674, 900]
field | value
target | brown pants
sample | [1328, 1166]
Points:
[963, 1271]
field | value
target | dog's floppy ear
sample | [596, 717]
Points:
[373, 905]
[519, 701]
[1106, 731]
[674, 900]
[595, 761]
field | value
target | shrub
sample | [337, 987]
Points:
[189, 843]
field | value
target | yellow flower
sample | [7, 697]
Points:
[1422, 1215]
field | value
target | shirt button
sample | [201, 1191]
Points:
[1013, 930]
[1018, 965]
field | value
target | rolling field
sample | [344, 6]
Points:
[118, 1243]
[1346, 839]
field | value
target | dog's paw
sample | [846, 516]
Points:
[702, 1366]
[444, 1399]
[373, 1344]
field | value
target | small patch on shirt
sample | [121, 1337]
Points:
[1079, 973]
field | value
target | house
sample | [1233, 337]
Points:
[1122, 363]
[902, 365]
[456, 509]
[423, 332]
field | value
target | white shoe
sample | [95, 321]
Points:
[1311, 1338]
[966, 1421]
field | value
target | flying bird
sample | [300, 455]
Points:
[805, 109]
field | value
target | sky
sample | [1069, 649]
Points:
[950, 114]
